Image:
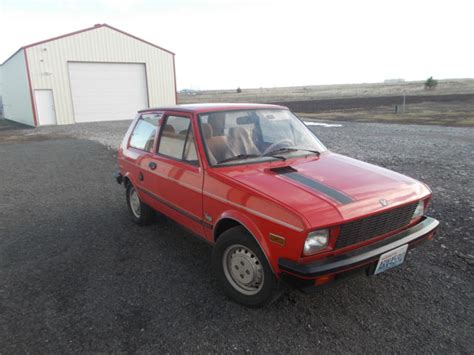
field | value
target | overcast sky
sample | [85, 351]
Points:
[226, 44]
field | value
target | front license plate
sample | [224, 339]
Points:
[391, 259]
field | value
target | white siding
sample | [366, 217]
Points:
[15, 90]
[1, 89]
[48, 63]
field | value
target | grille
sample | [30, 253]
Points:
[373, 226]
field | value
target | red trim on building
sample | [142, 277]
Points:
[33, 106]
[137, 38]
[85, 30]
[175, 87]
[93, 28]
[62, 36]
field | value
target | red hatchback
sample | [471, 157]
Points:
[278, 207]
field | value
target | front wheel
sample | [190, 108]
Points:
[141, 213]
[242, 269]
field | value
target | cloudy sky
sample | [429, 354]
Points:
[261, 43]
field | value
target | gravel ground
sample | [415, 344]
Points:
[109, 134]
[77, 276]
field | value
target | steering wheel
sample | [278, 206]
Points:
[281, 144]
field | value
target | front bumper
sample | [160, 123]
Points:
[358, 258]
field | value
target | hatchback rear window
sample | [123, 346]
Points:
[143, 135]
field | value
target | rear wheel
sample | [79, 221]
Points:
[242, 269]
[140, 212]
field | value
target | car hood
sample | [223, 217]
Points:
[330, 189]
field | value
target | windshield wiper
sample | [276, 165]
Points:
[239, 157]
[317, 152]
[291, 149]
[247, 156]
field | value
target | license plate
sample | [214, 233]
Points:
[391, 259]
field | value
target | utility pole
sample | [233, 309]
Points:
[404, 101]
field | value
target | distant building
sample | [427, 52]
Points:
[96, 74]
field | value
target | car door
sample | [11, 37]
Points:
[140, 148]
[177, 172]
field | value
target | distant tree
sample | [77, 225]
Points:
[239, 90]
[430, 83]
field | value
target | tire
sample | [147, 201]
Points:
[140, 213]
[242, 270]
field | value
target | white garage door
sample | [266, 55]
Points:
[107, 91]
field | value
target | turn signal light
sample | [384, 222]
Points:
[323, 280]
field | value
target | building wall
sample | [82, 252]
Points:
[1, 98]
[15, 90]
[48, 64]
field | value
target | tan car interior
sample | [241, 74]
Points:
[220, 147]
[237, 142]
[173, 143]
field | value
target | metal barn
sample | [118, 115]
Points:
[96, 74]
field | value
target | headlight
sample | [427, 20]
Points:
[315, 241]
[419, 211]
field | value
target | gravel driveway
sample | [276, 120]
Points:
[77, 276]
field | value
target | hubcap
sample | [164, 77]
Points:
[134, 203]
[243, 269]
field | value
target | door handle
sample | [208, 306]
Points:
[152, 165]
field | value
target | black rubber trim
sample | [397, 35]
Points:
[177, 209]
[317, 186]
[360, 256]
[118, 177]
[207, 225]
[308, 286]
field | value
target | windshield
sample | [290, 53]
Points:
[231, 137]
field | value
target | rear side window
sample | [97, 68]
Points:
[177, 140]
[143, 135]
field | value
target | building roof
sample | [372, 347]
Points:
[85, 30]
[211, 107]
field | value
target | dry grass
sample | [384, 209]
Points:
[301, 93]
[454, 113]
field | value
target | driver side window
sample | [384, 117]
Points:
[177, 140]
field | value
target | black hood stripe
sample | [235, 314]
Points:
[317, 186]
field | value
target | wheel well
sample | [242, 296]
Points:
[228, 223]
[223, 225]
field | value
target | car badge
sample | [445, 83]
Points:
[383, 202]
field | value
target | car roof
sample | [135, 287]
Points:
[210, 107]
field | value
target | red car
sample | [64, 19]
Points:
[279, 208]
